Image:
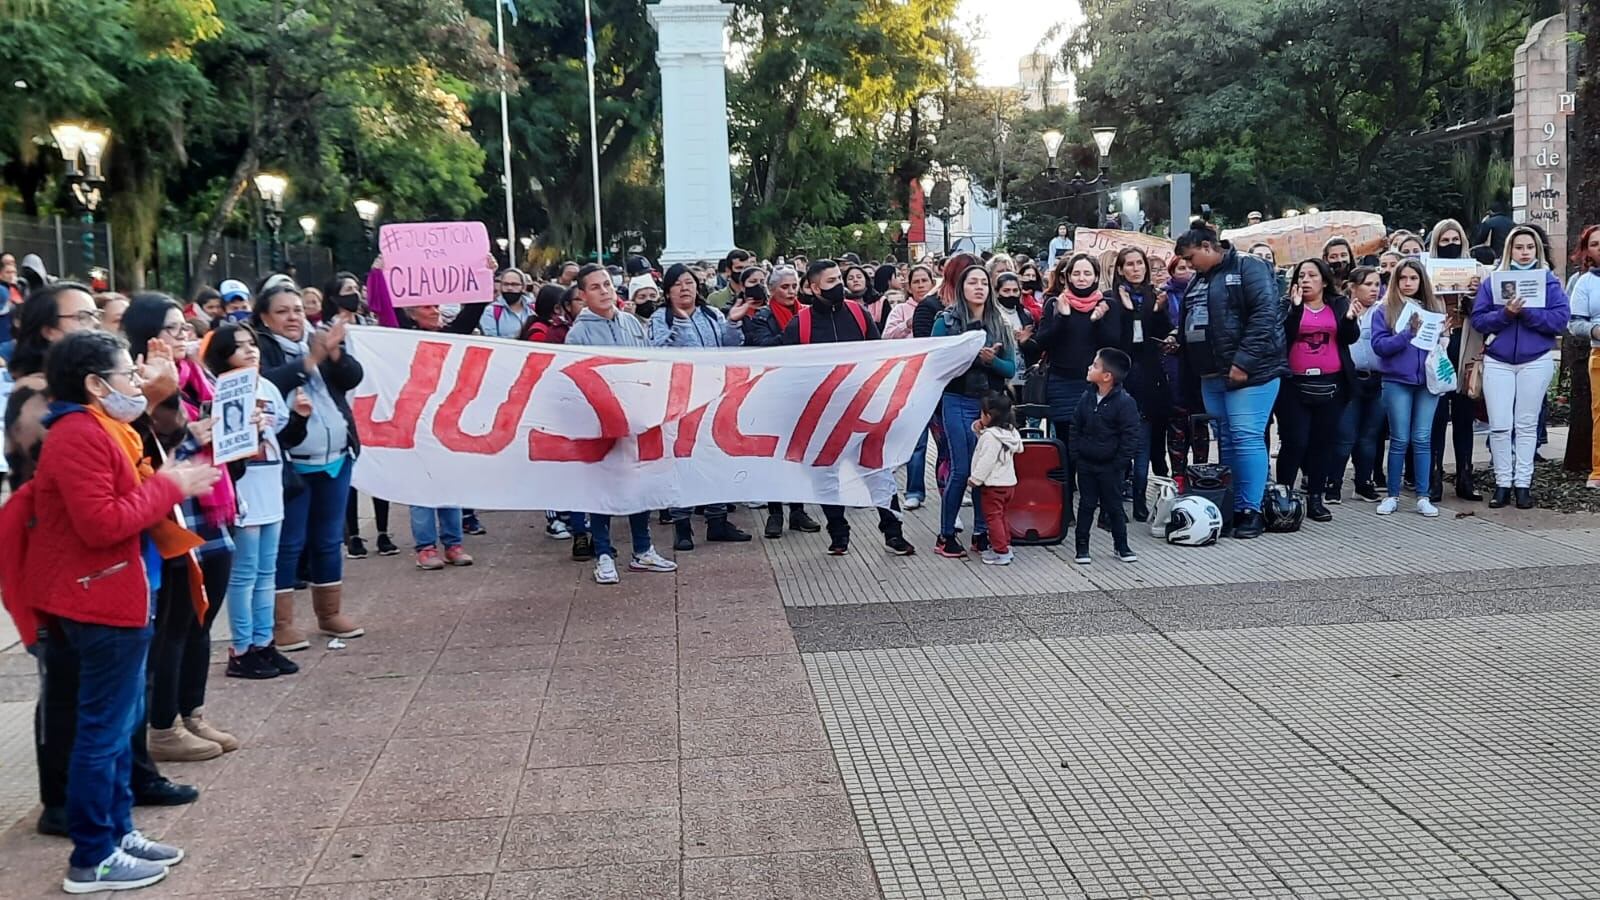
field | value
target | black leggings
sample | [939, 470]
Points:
[180, 651]
[1458, 411]
[352, 514]
[1309, 434]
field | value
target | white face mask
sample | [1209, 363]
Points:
[120, 406]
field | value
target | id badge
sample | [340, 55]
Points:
[1138, 331]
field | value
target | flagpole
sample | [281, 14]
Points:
[594, 132]
[505, 135]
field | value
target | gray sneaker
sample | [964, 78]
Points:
[136, 845]
[119, 872]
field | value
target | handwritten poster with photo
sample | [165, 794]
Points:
[232, 435]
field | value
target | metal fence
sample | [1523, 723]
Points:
[70, 248]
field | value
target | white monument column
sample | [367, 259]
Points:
[694, 128]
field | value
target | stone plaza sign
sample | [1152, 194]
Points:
[1544, 105]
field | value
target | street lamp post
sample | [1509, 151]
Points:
[86, 185]
[272, 187]
[368, 211]
[947, 213]
[1077, 185]
[905, 237]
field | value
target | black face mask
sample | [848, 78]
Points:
[1341, 269]
[349, 302]
[1448, 251]
[1383, 277]
[512, 297]
[645, 310]
[833, 295]
[1030, 284]
[1008, 301]
[756, 292]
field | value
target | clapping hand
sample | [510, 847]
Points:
[1294, 294]
[302, 403]
[741, 309]
[986, 355]
[1100, 311]
[1127, 301]
[192, 478]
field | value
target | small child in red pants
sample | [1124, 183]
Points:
[998, 441]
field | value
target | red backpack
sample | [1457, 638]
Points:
[805, 320]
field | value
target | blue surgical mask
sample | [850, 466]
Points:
[239, 315]
[1523, 267]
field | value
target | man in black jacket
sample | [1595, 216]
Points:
[1232, 337]
[833, 319]
[1105, 435]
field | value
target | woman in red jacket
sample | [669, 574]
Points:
[102, 518]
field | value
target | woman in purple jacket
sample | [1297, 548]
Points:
[1518, 364]
[1406, 398]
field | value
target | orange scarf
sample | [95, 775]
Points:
[171, 539]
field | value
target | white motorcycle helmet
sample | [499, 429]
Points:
[1194, 522]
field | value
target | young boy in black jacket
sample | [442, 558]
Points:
[1105, 434]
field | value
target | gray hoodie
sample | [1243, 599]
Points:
[623, 329]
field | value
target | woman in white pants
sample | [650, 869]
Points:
[1522, 332]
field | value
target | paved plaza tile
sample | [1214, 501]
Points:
[773, 723]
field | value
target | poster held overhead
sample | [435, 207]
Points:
[437, 263]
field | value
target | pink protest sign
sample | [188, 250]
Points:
[429, 263]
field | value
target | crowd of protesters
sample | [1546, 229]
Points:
[133, 539]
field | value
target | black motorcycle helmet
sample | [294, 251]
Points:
[1284, 509]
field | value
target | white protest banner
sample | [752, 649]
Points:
[435, 263]
[232, 435]
[447, 420]
[1450, 276]
[1527, 284]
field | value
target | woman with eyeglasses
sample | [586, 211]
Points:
[94, 479]
[1519, 361]
[295, 357]
[1320, 327]
[1456, 409]
[180, 651]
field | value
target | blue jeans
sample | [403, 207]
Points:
[1357, 442]
[1242, 433]
[110, 706]
[251, 583]
[600, 525]
[917, 469]
[313, 524]
[1410, 408]
[959, 412]
[429, 525]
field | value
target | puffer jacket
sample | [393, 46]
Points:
[1246, 317]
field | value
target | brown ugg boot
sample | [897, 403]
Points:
[200, 728]
[177, 744]
[284, 635]
[325, 600]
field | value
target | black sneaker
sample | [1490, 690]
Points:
[949, 546]
[1367, 492]
[1333, 496]
[583, 547]
[249, 665]
[774, 528]
[355, 547]
[721, 531]
[1127, 555]
[664, 517]
[1248, 524]
[980, 543]
[839, 546]
[283, 664]
[1081, 557]
[471, 525]
[799, 521]
[386, 546]
[163, 792]
[899, 546]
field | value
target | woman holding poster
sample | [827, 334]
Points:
[1457, 408]
[1406, 398]
[1519, 361]
[294, 357]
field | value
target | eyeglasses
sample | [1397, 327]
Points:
[83, 317]
[131, 374]
[174, 330]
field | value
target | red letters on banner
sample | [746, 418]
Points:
[427, 365]
[400, 432]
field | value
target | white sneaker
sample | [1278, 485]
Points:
[651, 561]
[1592, 484]
[1389, 505]
[1426, 507]
[991, 558]
[557, 530]
[916, 502]
[605, 570]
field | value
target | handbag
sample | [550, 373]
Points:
[1472, 378]
[1035, 385]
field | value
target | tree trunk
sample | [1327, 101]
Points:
[1583, 208]
[237, 185]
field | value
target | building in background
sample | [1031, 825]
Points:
[1043, 84]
